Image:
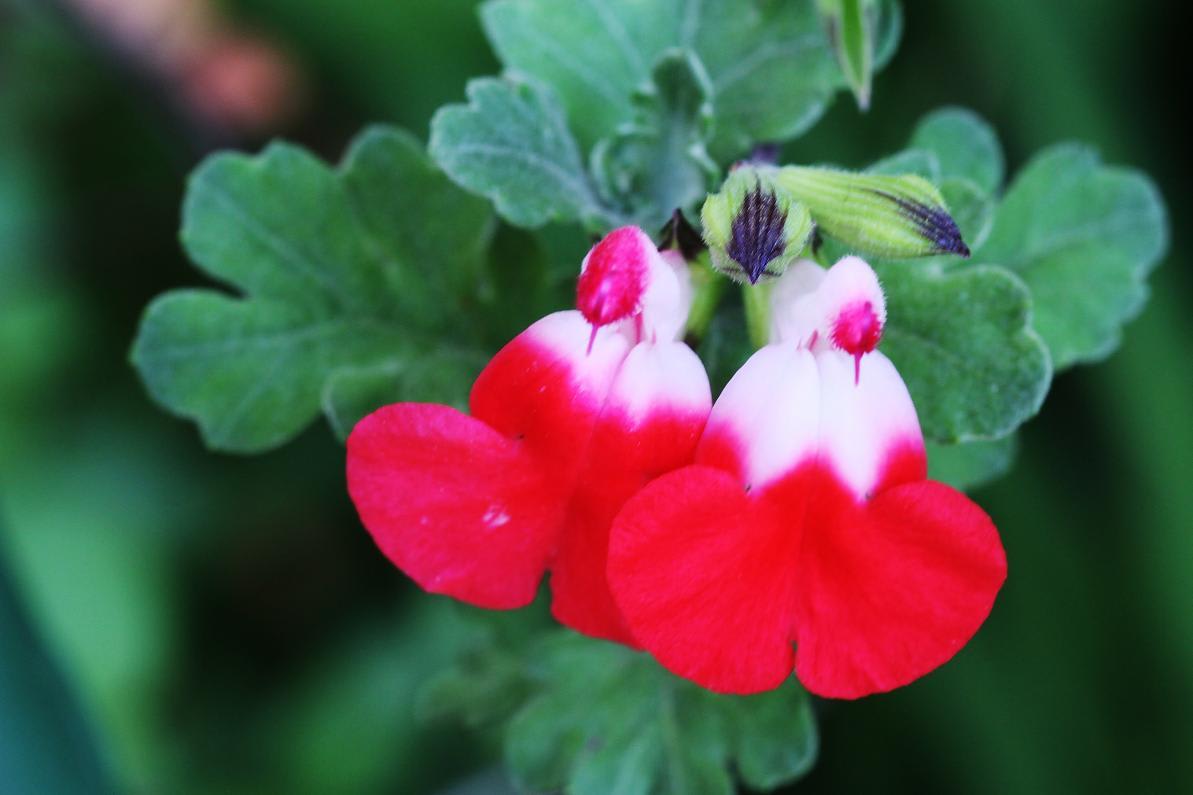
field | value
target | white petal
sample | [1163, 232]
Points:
[568, 335]
[666, 301]
[864, 423]
[770, 409]
[849, 282]
[658, 377]
[794, 313]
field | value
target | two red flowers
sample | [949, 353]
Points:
[790, 525]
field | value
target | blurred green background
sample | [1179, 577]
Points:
[177, 621]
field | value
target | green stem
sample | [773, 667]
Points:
[756, 298]
[707, 288]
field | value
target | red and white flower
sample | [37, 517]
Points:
[807, 520]
[566, 422]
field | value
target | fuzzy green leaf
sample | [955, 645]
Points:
[772, 70]
[659, 161]
[964, 344]
[964, 145]
[1084, 237]
[511, 143]
[593, 718]
[607, 719]
[352, 270]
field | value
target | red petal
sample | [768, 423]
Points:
[651, 423]
[547, 389]
[461, 509]
[705, 577]
[623, 460]
[891, 589]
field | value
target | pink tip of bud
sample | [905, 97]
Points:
[857, 330]
[614, 277]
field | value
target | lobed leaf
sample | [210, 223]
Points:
[598, 718]
[363, 269]
[511, 143]
[964, 344]
[964, 145]
[608, 719]
[1083, 237]
[770, 63]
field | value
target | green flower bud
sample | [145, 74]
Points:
[878, 214]
[754, 229]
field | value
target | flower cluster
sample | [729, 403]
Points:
[788, 526]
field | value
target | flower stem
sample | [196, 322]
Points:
[756, 299]
[707, 288]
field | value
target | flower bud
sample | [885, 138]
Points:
[754, 229]
[878, 214]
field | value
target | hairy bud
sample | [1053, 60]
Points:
[877, 214]
[754, 229]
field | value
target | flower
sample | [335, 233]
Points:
[567, 421]
[807, 519]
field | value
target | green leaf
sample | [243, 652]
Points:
[1084, 237]
[963, 342]
[442, 375]
[609, 720]
[920, 162]
[772, 70]
[726, 345]
[45, 743]
[659, 162]
[965, 147]
[368, 268]
[851, 26]
[511, 143]
[972, 464]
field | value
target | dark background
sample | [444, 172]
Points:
[224, 625]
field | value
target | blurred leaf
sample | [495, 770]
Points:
[971, 465]
[659, 161]
[95, 563]
[726, 345]
[965, 147]
[607, 719]
[964, 344]
[45, 744]
[440, 376]
[850, 25]
[920, 162]
[772, 70]
[1084, 237]
[349, 722]
[512, 144]
[368, 267]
